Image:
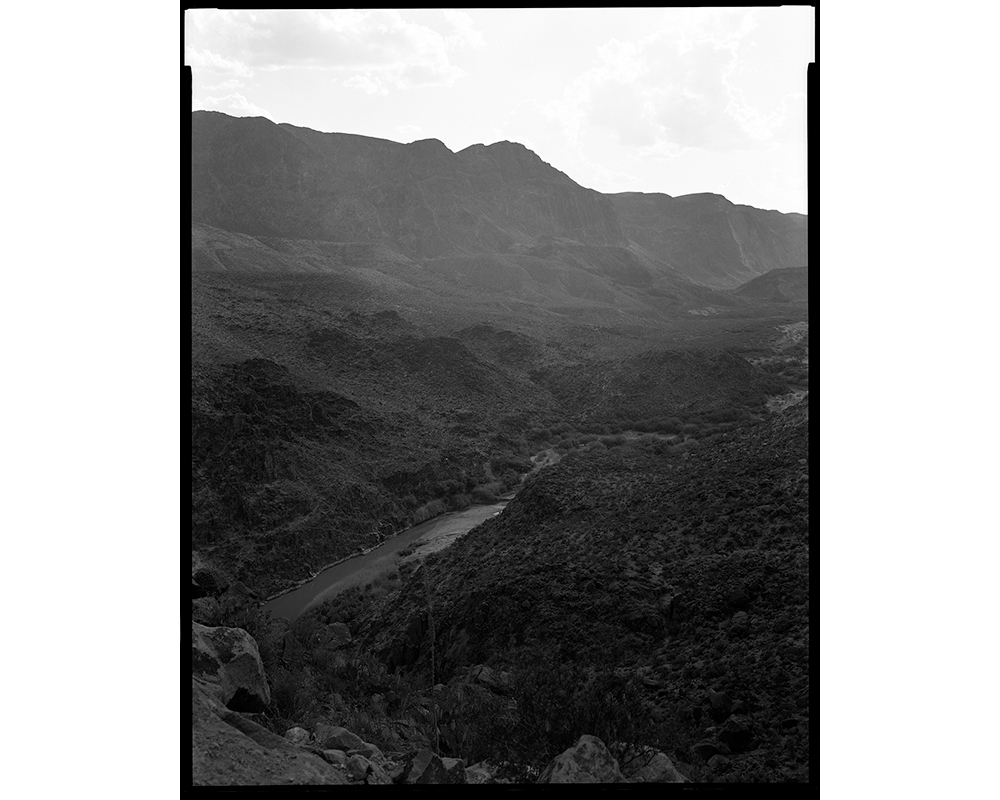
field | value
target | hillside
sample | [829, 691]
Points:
[685, 576]
[712, 241]
[778, 286]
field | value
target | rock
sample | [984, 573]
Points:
[240, 589]
[736, 734]
[358, 767]
[479, 773]
[231, 750]
[739, 707]
[336, 757]
[719, 763]
[362, 770]
[652, 767]
[196, 590]
[369, 751]
[588, 761]
[426, 767]
[705, 750]
[485, 676]
[737, 599]
[740, 624]
[229, 659]
[211, 581]
[339, 634]
[333, 737]
[455, 767]
[722, 705]
[205, 611]
[297, 735]
[791, 722]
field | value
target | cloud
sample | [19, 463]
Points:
[206, 60]
[235, 104]
[232, 83]
[371, 84]
[380, 48]
[679, 87]
[465, 33]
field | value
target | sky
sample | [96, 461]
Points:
[622, 100]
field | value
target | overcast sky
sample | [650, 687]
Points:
[651, 100]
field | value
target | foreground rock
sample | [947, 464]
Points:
[231, 750]
[228, 659]
[588, 761]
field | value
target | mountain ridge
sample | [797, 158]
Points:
[255, 177]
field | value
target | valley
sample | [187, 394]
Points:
[393, 343]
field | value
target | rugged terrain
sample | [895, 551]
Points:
[383, 332]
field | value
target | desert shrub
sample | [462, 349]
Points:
[487, 493]
[427, 511]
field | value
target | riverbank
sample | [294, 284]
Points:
[435, 534]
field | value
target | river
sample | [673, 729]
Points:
[435, 534]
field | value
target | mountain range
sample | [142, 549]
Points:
[422, 203]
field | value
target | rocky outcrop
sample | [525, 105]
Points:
[588, 761]
[228, 659]
[231, 750]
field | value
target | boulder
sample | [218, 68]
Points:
[479, 773]
[740, 624]
[297, 735]
[228, 658]
[369, 751]
[336, 757]
[705, 750]
[205, 611]
[455, 767]
[333, 737]
[362, 770]
[339, 634]
[721, 704]
[736, 734]
[425, 766]
[652, 766]
[211, 581]
[719, 763]
[231, 750]
[489, 678]
[588, 761]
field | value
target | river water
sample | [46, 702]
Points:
[429, 536]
